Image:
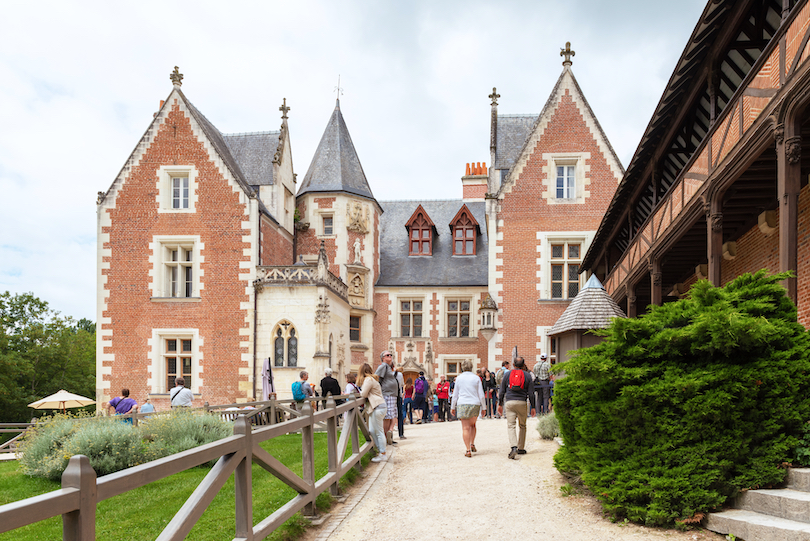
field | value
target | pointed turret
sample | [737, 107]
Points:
[335, 166]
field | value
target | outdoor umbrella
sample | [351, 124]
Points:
[61, 400]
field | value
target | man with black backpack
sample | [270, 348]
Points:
[517, 386]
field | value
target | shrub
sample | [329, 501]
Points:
[109, 444]
[181, 430]
[547, 426]
[678, 410]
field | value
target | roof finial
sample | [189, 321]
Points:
[338, 89]
[494, 96]
[284, 109]
[176, 77]
[567, 53]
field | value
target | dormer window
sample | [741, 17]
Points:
[465, 230]
[420, 233]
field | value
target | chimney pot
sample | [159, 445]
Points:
[468, 170]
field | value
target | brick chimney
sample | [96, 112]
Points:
[474, 181]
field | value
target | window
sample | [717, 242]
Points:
[354, 328]
[458, 318]
[176, 268]
[553, 354]
[565, 270]
[328, 228]
[566, 185]
[177, 185]
[410, 316]
[420, 233]
[464, 237]
[177, 360]
[452, 371]
[285, 345]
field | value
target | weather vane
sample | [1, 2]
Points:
[338, 88]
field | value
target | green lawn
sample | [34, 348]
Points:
[142, 514]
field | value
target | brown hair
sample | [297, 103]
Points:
[365, 371]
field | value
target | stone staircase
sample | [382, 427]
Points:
[769, 514]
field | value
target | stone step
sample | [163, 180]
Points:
[752, 526]
[799, 479]
[781, 503]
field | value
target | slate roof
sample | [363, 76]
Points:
[335, 166]
[592, 308]
[254, 153]
[511, 134]
[397, 268]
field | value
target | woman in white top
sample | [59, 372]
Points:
[370, 390]
[469, 400]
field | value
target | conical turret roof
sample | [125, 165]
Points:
[592, 308]
[335, 166]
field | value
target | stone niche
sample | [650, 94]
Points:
[357, 276]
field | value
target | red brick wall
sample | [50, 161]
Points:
[277, 248]
[524, 212]
[477, 191]
[217, 316]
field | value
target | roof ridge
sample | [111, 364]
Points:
[271, 132]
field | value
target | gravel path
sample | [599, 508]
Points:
[428, 489]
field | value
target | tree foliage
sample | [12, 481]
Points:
[678, 410]
[41, 353]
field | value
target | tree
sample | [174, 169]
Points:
[680, 409]
[40, 353]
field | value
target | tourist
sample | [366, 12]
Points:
[443, 395]
[330, 385]
[122, 405]
[400, 411]
[388, 381]
[420, 392]
[407, 404]
[351, 388]
[180, 397]
[516, 387]
[468, 402]
[488, 383]
[301, 389]
[541, 384]
[498, 378]
[371, 390]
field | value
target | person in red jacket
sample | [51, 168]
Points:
[443, 393]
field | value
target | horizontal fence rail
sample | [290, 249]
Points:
[81, 491]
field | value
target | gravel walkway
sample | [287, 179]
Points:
[428, 489]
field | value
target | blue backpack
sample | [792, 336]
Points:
[298, 392]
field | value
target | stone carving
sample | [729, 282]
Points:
[176, 77]
[494, 96]
[717, 221]
[322, 311]
[779, 134]
[358, 256]
[567, 53]
[357, 214]
[357, 291]
[793, 149]
[100, 198]
[632, 300]
[657, 279]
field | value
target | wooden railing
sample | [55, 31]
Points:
[81, 491]
[19, 429]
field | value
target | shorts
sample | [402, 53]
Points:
[391, 407]
[467, 411]
[419, 402]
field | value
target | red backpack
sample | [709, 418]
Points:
[516, 379]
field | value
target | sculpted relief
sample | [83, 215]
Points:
[357, 214]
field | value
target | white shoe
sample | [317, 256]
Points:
[379, 458]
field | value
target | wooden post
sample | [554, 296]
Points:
[631, 300]
[243, 481]
[788, 180]
[80, 525]
[656, 278]
[308, 454]
[331, 444]
[714, 238]
[355, 431]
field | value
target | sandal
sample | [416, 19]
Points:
[468, 454]
[473, 449]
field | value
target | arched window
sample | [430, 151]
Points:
[285, 345]
[464, 228]
[420, 233]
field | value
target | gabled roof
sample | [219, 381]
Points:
[335, 166]
[254, 152]
[566, 82]
[416, 212]
[510, 135]
[592, 308]
[464, 210]
[398, 268]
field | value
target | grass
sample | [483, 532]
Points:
[144, 512]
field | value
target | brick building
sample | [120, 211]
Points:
[211, 262]
[718, 185]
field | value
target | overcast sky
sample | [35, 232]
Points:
[80, 81]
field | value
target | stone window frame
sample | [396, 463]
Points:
[166, 174]
[324, 217]
[288, 333]
[159, 355]
[545, 262]
[161, 247]
[470, 317]
[422, 312]
[355, 329]
[581, 177]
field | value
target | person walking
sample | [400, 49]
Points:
[488, 382]
[371, 390]
[541, 383]
[420, 392]
[516, 387]
[390, 387]
[443, 394]
[400, 409]
[467, 403]
[407, 405]
[498, 378]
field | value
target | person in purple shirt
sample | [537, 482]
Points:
[122, 404]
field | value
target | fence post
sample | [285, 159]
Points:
[331, 443]
[308, 454]
[243, 481]
[273, 419]
[355, 430]
[80, 525]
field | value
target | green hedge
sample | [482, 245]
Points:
[680, 409]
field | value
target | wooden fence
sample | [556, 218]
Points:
[81, 491]
[10, 447]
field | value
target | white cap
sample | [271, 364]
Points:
[542, 355]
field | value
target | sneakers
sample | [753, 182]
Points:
[380, 458]
[512, 454]
[521, 451]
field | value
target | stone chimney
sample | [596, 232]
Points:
[474, 181]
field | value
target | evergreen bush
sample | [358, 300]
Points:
[547, 426]
[181, 430]
[680, 409]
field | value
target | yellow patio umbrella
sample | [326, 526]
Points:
[61, 400]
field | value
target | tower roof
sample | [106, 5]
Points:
[335, 166]
[592, 308]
